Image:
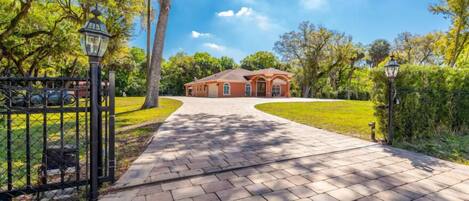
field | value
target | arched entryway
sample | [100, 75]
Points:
[280, 86]
[261, 87]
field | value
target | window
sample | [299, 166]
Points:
[276, 90]
[226, 89]
[248, 89]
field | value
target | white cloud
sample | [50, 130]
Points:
[313, 4]
[228, 13]
[244, 11]
[215, 46]
[249, 15]
[196, 34]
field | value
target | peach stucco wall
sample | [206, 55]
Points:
[236, 90]
[199, 90]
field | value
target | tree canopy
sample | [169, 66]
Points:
[318, 52]
[260, 60]
[458, 36]
[52, 44]
[183, 68]
[378, 52]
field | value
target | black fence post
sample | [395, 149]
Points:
[94, 126]
[112, 94]
[100, 125]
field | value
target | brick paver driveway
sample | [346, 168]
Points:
[225, 149]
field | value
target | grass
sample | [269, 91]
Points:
[449, 146]
[128, 111]
[352, 118]
[129, 144]
[345, 117]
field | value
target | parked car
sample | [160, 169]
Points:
[54, 98]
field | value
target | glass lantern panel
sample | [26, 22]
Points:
[103, 45]
[387, 70]
[92, 44]
[395, 70]
[391, 71]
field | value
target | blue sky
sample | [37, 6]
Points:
[237, 28]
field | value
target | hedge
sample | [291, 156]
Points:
[432, 101]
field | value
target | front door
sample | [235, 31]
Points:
[261, 89]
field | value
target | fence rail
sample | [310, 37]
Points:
[46, 135]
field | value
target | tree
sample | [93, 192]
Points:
[148, 28]
[52, 44]
[458, 36]
[205, 64]
[130, 66]
[317, 51]
[379, 50]
[26, 47]
[154, 74]
[418, 50]
[182, 68]
[227, 63]
[406, 44]
[260, 60]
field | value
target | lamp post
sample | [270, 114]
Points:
[391, 69]
[94, 41]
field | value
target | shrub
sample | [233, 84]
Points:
[432, 100]
[358, 87]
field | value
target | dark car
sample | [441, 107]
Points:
[54, 98]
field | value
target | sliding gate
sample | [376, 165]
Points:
[56, 136]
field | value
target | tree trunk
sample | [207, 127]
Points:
[454, 54]
[148, 37]
[306, 90]
[153, 82]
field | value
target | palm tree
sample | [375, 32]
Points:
[148, 28]
[154, 72]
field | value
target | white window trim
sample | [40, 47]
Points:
[279, 89]
[250, 89]
[229, 89]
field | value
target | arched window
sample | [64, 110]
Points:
[226, 89]
[276, 90]
[248, 89]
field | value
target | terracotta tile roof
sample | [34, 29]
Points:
[227, 75]
[270, 71]
[238, 74]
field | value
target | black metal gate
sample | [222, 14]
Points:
[56, 136]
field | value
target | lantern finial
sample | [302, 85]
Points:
[96, 11]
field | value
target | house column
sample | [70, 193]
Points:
[268, 88]
[287, 94]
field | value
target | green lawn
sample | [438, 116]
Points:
[345, 117]
[445, 146]
[129, 143]
[352, 118]
[128, 111]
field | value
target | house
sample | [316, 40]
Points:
[242, 83]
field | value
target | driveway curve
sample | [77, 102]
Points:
[208, 136]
